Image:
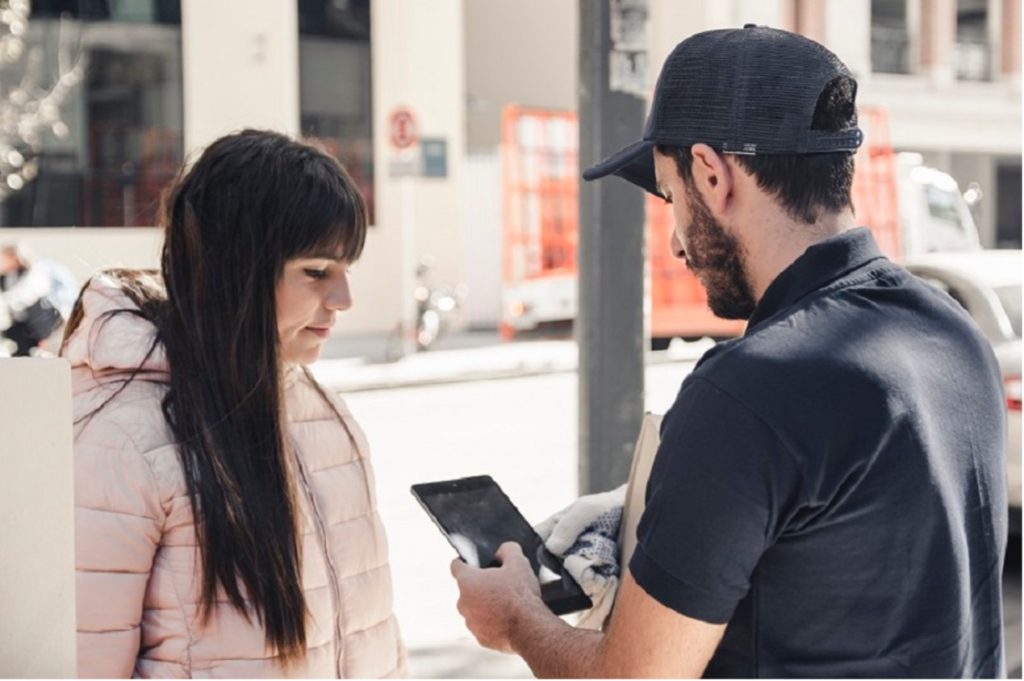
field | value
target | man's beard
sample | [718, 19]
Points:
[716, 258]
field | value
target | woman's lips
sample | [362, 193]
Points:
[319, 332]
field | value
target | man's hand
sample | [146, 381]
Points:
[645, 639]
[492, 600]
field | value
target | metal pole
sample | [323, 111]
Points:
[407, 347]
[610, 324]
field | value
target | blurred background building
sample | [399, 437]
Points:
[409, 96]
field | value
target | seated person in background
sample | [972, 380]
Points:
[35, 298]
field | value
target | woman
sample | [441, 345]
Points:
[226, 517]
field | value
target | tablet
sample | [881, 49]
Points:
[477, 517]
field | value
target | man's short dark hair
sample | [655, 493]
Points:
[804, 184]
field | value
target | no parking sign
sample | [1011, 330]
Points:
[402, 128]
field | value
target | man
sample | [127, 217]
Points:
[829, 496]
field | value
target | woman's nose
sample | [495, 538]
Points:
[339, 298]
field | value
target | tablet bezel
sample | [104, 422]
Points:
[558, 599]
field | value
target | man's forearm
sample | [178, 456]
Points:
[553, 649]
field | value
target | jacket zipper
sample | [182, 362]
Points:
[332, 574]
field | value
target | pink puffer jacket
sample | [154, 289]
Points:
[138, 580]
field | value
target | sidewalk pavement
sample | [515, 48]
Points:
[490, 359]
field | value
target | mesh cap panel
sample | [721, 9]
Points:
[750, 91]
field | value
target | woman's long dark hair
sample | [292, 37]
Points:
[252, 201]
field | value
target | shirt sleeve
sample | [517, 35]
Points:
[721, 486]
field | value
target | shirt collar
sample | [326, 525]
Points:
[821, 264]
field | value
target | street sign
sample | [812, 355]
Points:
[402, 128]
[435, 156]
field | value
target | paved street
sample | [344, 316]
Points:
[523, 433]
[520, 431]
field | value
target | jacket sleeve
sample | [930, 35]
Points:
[118, 525]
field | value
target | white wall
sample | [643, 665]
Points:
[484, 238]
[848, 34]
[241, 67]
[672, 21]
[504, 68]
[418, 57]
[965, 117]
[37, 523]
[85, 250]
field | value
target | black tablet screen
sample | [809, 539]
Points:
[477, 517]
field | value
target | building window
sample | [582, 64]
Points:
[93, 133]
[972, 53]
[890, 40]
[335, 84]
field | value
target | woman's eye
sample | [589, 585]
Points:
[315, 274]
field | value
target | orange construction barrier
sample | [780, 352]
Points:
[540, 213]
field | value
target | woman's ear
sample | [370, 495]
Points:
[712, 177]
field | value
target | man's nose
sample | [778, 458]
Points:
[677, 245]
[339, 298]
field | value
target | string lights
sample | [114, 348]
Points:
[28, 110]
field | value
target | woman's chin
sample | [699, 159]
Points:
[300, 356]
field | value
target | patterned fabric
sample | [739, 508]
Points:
[598, 544]
[138, 574]
[585, 535]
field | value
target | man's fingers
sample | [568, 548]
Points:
[458, 568]
[509, 551]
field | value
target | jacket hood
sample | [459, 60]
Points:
[112, 336]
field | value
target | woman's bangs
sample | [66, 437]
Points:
[328, 223]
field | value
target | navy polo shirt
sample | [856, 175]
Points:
[832, 484]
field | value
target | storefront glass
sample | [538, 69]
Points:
[335, 85]
[93, 131]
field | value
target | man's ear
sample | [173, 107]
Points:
[712, 177]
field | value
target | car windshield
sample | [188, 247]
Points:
[943, 204]
[1009, 296]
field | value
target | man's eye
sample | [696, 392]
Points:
[315, 274]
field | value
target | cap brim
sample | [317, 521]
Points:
[634, 163]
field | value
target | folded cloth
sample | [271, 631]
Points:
[585, 536]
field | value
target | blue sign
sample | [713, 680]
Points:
[434, 154]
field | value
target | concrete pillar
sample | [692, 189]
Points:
[915, 26]
[809, 20]
[419, 65]
[37, 520]
[1009, 61]
[938, 36]
[672, 21]
[241, 67]
[772, 13]
[847, 32]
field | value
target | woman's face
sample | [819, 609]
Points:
[308, 294]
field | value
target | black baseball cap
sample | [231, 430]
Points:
[750, 90]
